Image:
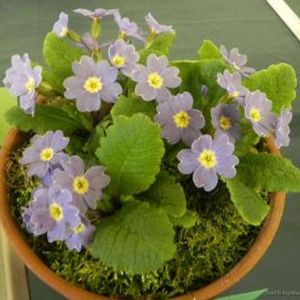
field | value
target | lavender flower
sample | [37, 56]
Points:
[98, 13]
[86, 187]
[44, 153]
[237, 60]
[53, 213]
[225, 119]
[123, 56]
[206, 159]
[81, 235]
[88, 42]
[22, 80]
[232, 83]
[258, 112]
[179, 120]
[128, 28]
[60, 27]
[154, 80]
[92, 82]
[155, 27]
[282, 129]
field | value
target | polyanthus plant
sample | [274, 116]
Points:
[119, 132]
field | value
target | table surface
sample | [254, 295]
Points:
[250, 25]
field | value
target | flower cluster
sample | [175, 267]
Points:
[59, 205]
[206, 137]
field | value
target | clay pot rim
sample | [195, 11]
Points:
[71, 291]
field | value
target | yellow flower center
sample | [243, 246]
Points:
[225, 123]
[80, 185]
[207, 159]
[63, 32]
[118, 60]
[56, 212]
[80, 228]
[47, 154]
[255, 115]
[155, 80]
[30, 85]
[182, 119]
[93, 85]
[235, 94]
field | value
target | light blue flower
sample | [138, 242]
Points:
[44, 153]
[22, 80]
[206, 159]
[93, 82]
[155, 27]
[60, 27]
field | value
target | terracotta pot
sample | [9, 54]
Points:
[73, 292]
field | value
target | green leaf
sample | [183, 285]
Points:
[132, 147]
[278, 82]
[209, 50]
[245, 296]
[186, 221]
[132, 105]
[266, 172]
[47, 117]
[137, 239]
[246, 144]
[167, 194]
[59, 56]
[252, 208]
[194, 74]
[159, 45]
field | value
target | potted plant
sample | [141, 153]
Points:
[133, 176]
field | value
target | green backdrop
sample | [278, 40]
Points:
[250, 25]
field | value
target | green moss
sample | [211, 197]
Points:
[204, 252]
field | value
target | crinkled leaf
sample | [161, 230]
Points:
[59, 56]
[278, 82]
[186, 221]
[252, 208]
[194, 74]
[47, 117]
[137, 239]
[245, 296]
[266, 172]
[246, 143]
[167, 194]
[209, 50]
[132, 105]
[132, 153]
[159, 45]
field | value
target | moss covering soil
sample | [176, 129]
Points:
[209, 249]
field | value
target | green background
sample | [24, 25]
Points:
[251, 26]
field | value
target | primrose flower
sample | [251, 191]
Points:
[53, 213]
[86, 187]
[258, 112]
[155, 27]
[81, 235]
[22, 80]
[154, 80]
[88, 42]
[44, 153]
[60, 27]
[179, 120]
[123, 56]
[282, 129]
[225, 119]
[206, 159]
[92, 82]
[98, 13]
[232, 83]
[237, 60]
[128, 28]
